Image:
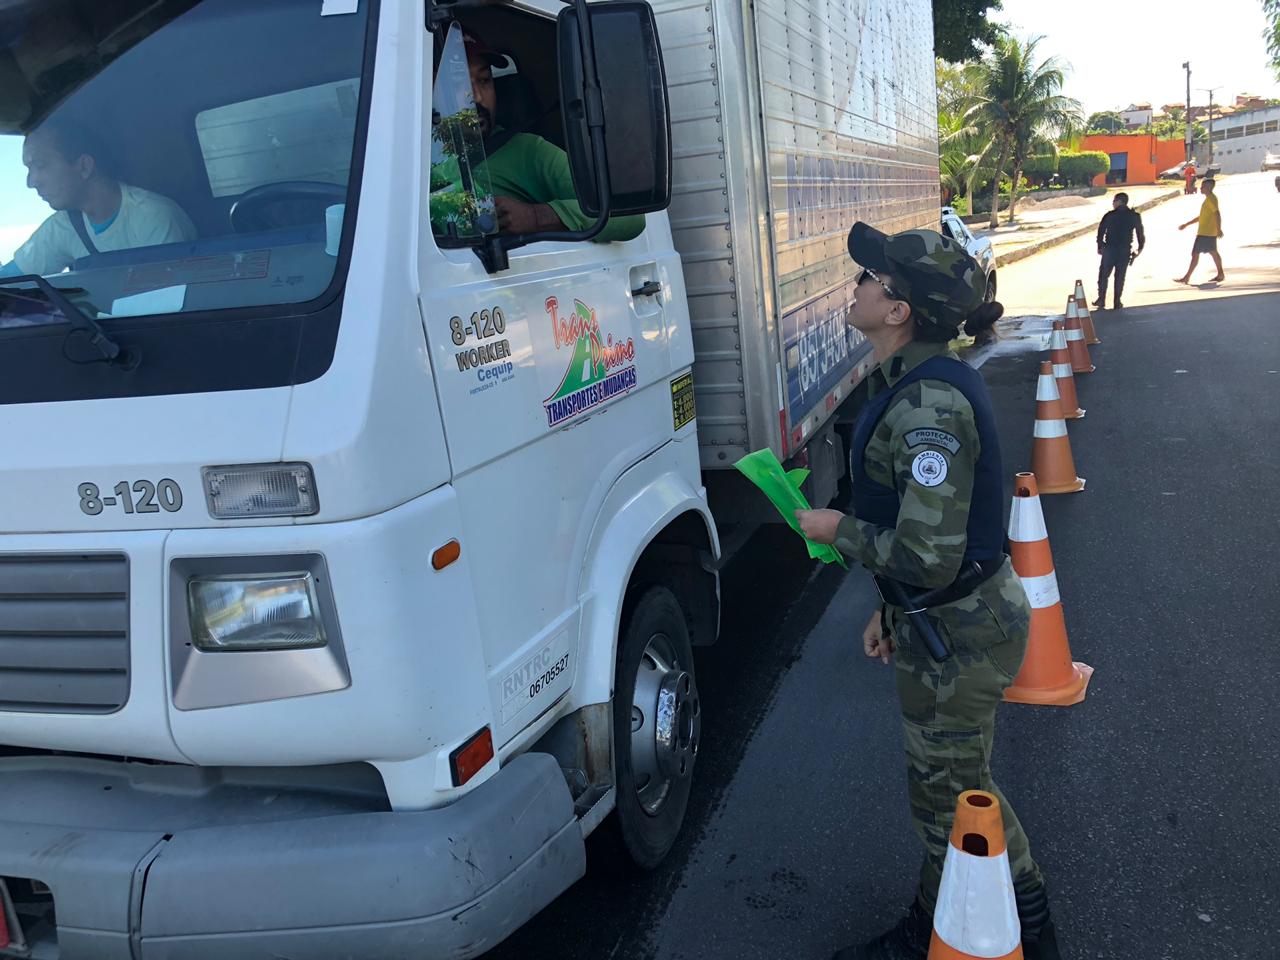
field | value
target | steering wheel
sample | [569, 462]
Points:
[290, 203]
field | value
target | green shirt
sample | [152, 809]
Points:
[533, 170]
[926, 547]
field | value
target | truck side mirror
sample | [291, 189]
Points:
[633, 90]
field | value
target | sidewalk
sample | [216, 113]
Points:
[1046, 224]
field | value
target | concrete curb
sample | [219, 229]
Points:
[1022, 253]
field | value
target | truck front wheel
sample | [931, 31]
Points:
[657, 722]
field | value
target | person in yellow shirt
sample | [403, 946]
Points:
[1207, 233]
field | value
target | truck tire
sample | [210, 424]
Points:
[657, 722]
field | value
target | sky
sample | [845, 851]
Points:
[1121, 52]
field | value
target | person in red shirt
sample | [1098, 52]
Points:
[1189, 174]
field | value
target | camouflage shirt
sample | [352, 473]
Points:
[927, 546]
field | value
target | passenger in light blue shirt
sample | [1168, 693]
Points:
[64, 168]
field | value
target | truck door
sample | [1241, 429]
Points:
[553, 380]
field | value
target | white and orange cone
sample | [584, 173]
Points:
[1048, 676]
[1051, 460]
[977, 915]
[1077, 349]
[1061, 356]
[1079, 291]
[1086, 319]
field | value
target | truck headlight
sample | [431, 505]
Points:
[261, 490]
[276, 612]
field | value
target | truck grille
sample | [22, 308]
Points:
[64, 633]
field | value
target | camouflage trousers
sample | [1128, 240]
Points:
[948, 716]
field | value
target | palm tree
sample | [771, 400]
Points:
[1039, 133]
[1018, 107]
[957, 85]
[954, 160]
[963, 157]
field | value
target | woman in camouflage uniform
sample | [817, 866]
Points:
[928, 523]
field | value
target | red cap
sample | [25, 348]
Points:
[477, 47]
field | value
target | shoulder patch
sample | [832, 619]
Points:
[933, 438]
[929, 468]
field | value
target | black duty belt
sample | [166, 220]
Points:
[971, 576]
[914, 604]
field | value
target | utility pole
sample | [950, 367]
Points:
[1210, 91]
[1190, 146]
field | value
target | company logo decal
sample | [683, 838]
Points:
[599, 368]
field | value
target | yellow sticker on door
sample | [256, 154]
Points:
[682, 410]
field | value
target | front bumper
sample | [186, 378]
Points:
[168, 863]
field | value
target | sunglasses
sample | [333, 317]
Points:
[867, 272]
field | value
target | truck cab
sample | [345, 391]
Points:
[323, 538]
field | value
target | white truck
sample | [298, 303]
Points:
[350, 566]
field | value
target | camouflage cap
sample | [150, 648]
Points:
[933, 273]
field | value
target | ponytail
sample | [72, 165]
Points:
[980, 321]
[983, 318]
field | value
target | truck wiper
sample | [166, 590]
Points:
[106, 348]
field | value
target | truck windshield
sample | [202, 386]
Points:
[176, 160]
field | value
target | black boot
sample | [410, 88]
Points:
[1039, 938]
[908, 940]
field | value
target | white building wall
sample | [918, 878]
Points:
[1137, 118]
[1241, 140]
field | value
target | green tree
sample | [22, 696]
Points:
[1054, 118]
[959, 26]
[964, 155]
[1106, 121]
[1272, 34]
[1040, 167]
[1174, 127]
[1079, 169]
[1019, 109]
[959, 153]
[957, 85]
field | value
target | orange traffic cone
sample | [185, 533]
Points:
[1051, 459]
[976, 915]
[1086, 320]
[1071, 409]
[1078, 293]
[1048, 676]
[1076, 347]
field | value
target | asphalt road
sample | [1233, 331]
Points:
[1151, 806]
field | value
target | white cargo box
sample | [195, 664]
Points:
[791, 120]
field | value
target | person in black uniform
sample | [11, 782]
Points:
[1115, 246]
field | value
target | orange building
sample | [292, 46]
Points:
[1135, 157]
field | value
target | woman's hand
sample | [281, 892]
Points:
[819, 525]
[875, 642]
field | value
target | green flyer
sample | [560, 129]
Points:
[783, 490]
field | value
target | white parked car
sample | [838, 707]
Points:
[1271, 162]
[979, 247]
